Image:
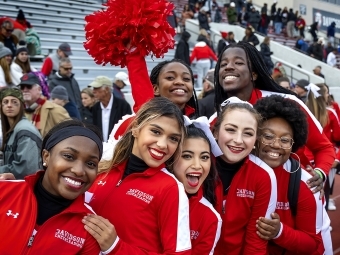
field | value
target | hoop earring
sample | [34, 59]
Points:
[298, 161]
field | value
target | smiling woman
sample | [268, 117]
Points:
[44, 211]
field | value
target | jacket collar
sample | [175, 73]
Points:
[148, 172]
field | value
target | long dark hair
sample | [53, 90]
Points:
[25, 66]
[193, 102]
[256, 64]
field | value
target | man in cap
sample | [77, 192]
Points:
[120, 81]
[51, 63]
[43, 114]
[109, 109]
[206, 104]
[300, 89]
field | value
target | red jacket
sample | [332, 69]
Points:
[47, 67]
[252, 194]
[317, 141]
[300, 234]
[63, 232]
[332, 128]
[205, 225]
[202, 51]
[150, 211]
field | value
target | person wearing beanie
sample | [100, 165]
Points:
[18, 133]
[5, 62]
[60, 97]
[21, 64]
[22, 20]
[182, 49]
[300, 89]
[206, 104]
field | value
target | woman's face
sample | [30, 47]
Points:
[9, 59]
[175, 83]
[234, 75]
[193, 167]
[236, 135]
[72, 167]
[157, 141]
[23, 56]
[275, 142]
[86, 100]
[10, 106]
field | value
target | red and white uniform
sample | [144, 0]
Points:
[332, 128]
[202, 51]
[252, 194]
[317, 141]
[64, 233]
[205, 225]
[150, 211]
[300, 234]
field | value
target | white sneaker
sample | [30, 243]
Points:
[331, 205]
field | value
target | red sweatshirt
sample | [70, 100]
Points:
[317, 141]
[300, 234]
[202, 51]
[252, 194]
[63, 232]
[205, 225]
[150, 211]
[47, 67]
[332, 129]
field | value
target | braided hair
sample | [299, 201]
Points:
[193, 101]
[256, 64]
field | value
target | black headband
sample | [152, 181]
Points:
[67, 132]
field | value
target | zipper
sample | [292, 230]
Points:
[30, 241]
[120, 181]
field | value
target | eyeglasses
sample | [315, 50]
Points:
[23, 86]
[285, 142]
[67, 68]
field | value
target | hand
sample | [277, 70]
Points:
[267, 229]
[316, 181]
[101, 229]
[335, 164]
[7, 176]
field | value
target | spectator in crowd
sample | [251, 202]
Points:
[273, 10]
[5, 69]
[172, 20]
[203, 19]
[60, 97]
[187, 13]
[266, 53]
[206, 104]
[315, 50]
[216, 14]
[301, 44]
[249, 6]
[250, 37]
[331, 33]
[313, 30]
[317, 71]
[42, 113]
[301, 24]
[51, 63]
[7, 37]
[21, 64]
[205, 37]
[254, 18]
[300, 89]
[242, 16]
[284, 17]
[328, 49]
[65, 78]
[182, 49]
[202, 54]
[283, 82]
[331, 58]
[264, 8]
[110, 109]
[232, 14]
[22, 141]
[22, 20]
[278, 21]
[239, 5]
[120, 81]
[231, 37]
[222, 42]
[291, 23]
[264, 22]
[88, 100]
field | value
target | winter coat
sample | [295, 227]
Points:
[72, 110]
[86, 114]
[22, 150]
[252, 38]
[182, 50]
[331, 30]
[254, 19]
[206, 104]
[203, 21]
[265, 51]
[232, 15]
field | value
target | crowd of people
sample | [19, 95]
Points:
[241, 169]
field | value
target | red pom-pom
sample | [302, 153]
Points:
[142, 23]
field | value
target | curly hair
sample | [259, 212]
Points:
[255, 64]
[276, 106]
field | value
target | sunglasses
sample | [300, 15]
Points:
[22, 87]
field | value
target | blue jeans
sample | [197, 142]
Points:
[278, 26]
[263, 30]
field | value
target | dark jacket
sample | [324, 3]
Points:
[277, 17]
[254, 19]
[266, 53]
[119, 109]
[10, 43]
[331, 29]
[291, 16]
[70, 84]
[206, 104]
[72, 110]
[316, 50]
[273, 9]
[202, 38]
[203, 21]
[86, 113]
[221, 45]
[252, 38]
[182, 50]
[117, 91]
